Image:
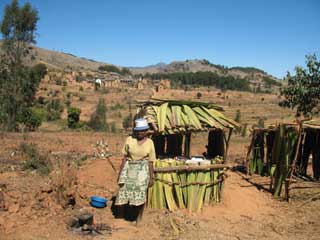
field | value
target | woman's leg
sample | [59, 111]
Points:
[140, 213]
[120, 211]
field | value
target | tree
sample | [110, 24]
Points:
[303, 90]
[98, 119]
[73, 117]
[18, 83]
[199, 95]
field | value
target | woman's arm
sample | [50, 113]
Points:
[151, 181]
[152, 159]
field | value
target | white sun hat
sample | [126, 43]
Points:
[141, 124]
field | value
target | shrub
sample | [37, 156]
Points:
[238, 116]
[41, 112]
[81, 88]
[55, 93]
[65, 83]
[41, 100]
[199, 95]
[98, 118]
[54, 109]
[73, 117]
[67, 102]
[30, 118]
[58, 81]
[63, 182]
[69, 94]
[33, 160]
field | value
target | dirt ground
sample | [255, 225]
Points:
[246, 211]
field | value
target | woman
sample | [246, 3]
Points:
[136, 171]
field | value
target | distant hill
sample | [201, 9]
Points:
[61, 60]
[202, 66]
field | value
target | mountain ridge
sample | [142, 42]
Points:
[62, 60]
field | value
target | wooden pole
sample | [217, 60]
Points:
[227, 145]
[293, 165]
[192, 168]
[247, 162]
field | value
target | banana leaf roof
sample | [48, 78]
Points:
[315, 124]
[178, 116]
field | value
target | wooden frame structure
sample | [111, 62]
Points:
[305, 142]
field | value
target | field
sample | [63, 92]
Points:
[247, 211]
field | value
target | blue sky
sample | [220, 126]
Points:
[272, 35]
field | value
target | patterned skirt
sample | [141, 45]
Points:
[133, 181]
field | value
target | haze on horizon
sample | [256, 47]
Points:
[271, 35]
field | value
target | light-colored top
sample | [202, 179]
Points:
[136, 151]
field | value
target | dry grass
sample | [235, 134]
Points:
[63, 182]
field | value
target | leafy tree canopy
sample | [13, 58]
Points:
[303, 90]
[18, 83]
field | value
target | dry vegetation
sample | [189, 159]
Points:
[36, 206]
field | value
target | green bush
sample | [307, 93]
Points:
[41, 112]
[238, 116]
[69, 94]
[54, 109]
[81, 88]
[41, 100]
[31, 118]
[73, 117]
[67, 102]
[33, 160]
[109, 68]
[65, 83]
[58, 81]
[98, 120]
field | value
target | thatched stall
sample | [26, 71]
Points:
[283, 152]
[182, 180]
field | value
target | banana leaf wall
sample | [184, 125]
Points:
[272, 152]
[191, 190]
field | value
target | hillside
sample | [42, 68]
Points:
[61, 60]
[202, 66]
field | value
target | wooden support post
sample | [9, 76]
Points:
[227, 145]
[192, 168]
[293, 165]
[247, 162]
[187, 141]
